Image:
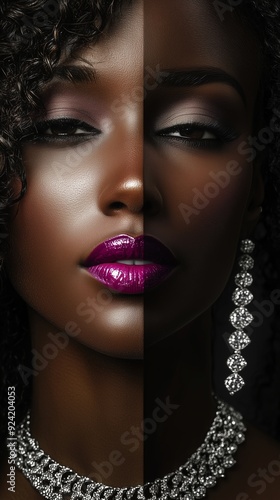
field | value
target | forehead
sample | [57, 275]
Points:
[186, 34]
[178, 35]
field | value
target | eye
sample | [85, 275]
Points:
[190, 132]
[64, 129]
[61, 129]
[199, 135]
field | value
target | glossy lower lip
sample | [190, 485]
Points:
[127, 278]
[130, 279]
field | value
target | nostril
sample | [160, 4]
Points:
[117, 205]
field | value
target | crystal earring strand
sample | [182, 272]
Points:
[240, 318]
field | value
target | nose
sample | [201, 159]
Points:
[127, 196]
[128, 188]
[123, 187]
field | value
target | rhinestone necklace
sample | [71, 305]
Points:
[190, 482]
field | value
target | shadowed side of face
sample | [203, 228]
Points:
[114, 156]
[197, 117]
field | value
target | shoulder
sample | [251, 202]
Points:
[264, 445]
[261, 466]
[256, 474]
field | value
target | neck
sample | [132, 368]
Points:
[179, 372]
[89, 411]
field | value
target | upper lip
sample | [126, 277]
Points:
[125, 247]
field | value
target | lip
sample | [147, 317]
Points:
[130, 278]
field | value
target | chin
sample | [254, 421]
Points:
[114, 342]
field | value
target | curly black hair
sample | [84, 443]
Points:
[35, 37]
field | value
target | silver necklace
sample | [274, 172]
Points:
[190, 482]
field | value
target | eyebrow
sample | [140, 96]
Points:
[73, 74]
[171, 78]
[197, 77]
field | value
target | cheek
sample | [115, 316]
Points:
[216, 228]
[204, 193]
[205, 207]
[52, 230]
[218, 202]
[43, 228]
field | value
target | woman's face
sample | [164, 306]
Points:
[160, 158]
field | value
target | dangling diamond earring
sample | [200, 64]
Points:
[240, 318]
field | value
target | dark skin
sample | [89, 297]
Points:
[92, 392]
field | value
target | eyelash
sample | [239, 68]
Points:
[38, 131]
[223, 135]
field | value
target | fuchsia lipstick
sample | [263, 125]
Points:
[130, 265]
